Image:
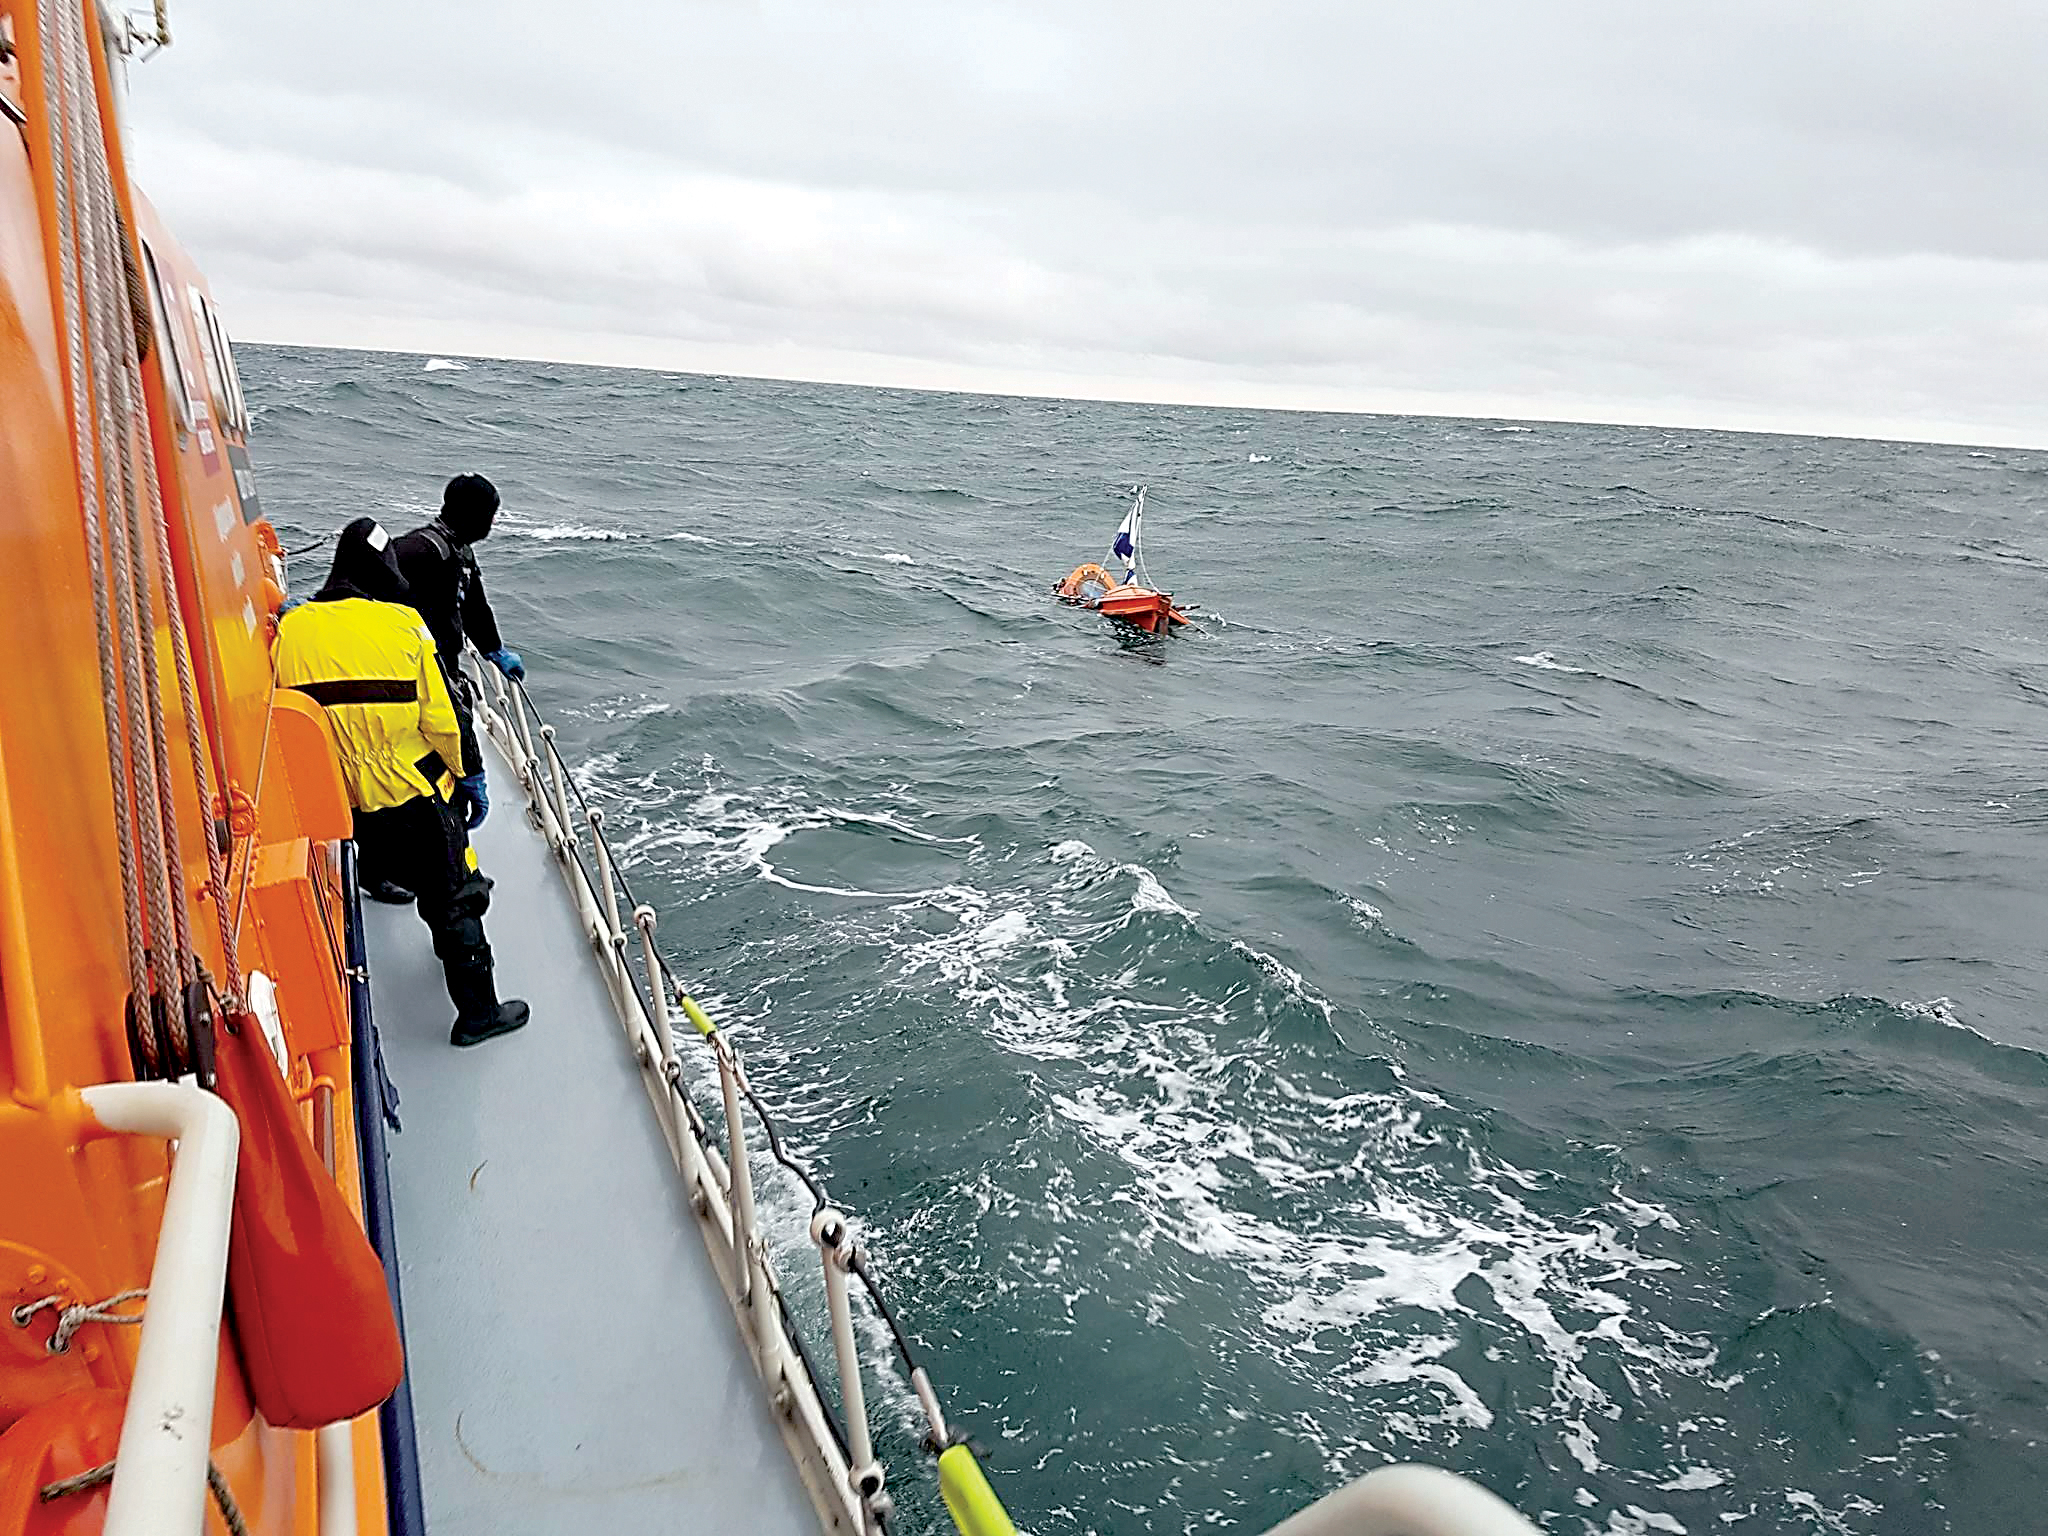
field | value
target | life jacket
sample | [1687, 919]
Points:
[372, 666]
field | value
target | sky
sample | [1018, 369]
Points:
[1823, 216]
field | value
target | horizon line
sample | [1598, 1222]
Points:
[1158, 393]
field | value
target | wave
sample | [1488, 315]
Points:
[550, 532]
[1546, 662]
[444, 365]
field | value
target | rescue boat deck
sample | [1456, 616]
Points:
[574, 1363]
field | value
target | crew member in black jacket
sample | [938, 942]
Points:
[440, 570]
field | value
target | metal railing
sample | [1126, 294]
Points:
[160, 1470]
[846, 1480]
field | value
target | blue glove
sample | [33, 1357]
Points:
[471, 794]
[507, 662]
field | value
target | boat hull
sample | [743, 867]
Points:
[1150, 611]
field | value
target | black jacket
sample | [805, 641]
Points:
[447, 589]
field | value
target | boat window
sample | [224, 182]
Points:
[172, 352]
[233, 374]
[209, 351]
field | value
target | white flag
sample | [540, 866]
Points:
[1124, 546]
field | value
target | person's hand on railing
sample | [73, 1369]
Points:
[507, 662]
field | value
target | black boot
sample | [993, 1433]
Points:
[386, 891]
[479, 1016]
[510, 1015]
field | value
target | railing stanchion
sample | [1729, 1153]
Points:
[742, 1173]
[668, 1066]
[836, 1247]
[561, 793]
[529, 763]
[615, 935]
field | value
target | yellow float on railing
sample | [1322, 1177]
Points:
[975, 1509]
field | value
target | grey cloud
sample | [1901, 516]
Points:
[1823, 214]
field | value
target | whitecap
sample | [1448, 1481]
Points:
[1548, 663]
[444, 365]
[897, 557]
[1694, 1478]
[555, 531]
[1258, 458]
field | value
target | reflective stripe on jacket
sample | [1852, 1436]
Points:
[372, 667]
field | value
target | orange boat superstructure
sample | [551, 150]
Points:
[170, 831]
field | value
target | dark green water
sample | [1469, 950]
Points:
[1548, 983]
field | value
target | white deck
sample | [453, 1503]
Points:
[574, 1365]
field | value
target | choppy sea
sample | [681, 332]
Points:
[1548, 981]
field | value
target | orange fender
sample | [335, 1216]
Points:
[312, 1314]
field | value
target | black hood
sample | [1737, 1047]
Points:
[469, 505]
[364, 566]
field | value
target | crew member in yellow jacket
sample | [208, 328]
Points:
[366, 658]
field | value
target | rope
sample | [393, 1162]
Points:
[72, 1317]
[255, 799]
[99, 1476]
[129, 406]
[92, 1477]
[107, 337]
[114, 418]
[58, 120]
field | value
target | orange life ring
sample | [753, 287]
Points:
[1070, 589]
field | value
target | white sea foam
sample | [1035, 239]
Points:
[1695, 1478]
[897, 557]
[444, 365]
[1258, 458]
[554, 531]
[1942, 1011]
[1370, 1236]
[1637, 1521]
[1548, 663]
[1511, 429]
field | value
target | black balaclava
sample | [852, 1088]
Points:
[364, 566]
[468, 506]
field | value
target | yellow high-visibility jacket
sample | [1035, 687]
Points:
[372, 667]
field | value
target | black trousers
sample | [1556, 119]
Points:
[423, 846]
[463, 696]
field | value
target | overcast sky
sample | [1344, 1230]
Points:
[1814, 215]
